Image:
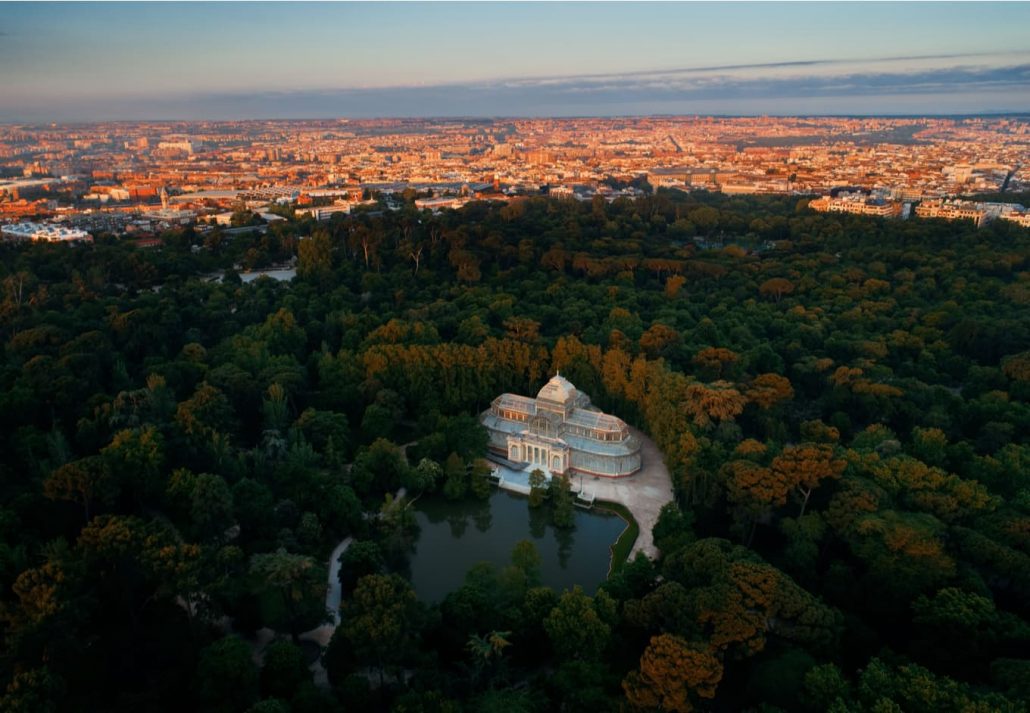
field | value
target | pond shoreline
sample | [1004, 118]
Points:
[642, 495]
[457, 535]
[620, 551]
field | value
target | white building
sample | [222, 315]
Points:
[44, 232]
[1019, 217]
[857, 205]
[561, 432]
[953, 210]
[438, 204]
[171, 215]
[184, 146]
[324, 212]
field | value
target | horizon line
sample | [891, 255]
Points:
[540, 117]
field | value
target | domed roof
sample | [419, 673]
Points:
[558, 390]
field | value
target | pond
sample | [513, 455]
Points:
[280, 275]
[455, 536]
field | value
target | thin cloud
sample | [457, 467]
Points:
[627, 90]
[959, 88]
[560, 79]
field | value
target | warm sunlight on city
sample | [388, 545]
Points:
[515, 357]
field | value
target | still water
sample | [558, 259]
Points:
[456, 535]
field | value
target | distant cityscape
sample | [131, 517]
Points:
[68, 182]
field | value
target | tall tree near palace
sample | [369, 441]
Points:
[805, 466]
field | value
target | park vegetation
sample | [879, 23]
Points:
[842, 403]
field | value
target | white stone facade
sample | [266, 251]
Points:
[561, 432]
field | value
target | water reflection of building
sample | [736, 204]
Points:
[561, 432]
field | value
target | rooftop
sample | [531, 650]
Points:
[558, 390]
[44, 231]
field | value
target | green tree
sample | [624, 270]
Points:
[456, 477]
[360, 559]
[299, 583]
[227, 679]
[526, 557]
[479, 479]
[397, 515]
[825, 687]
[486, 651]
[563, 514]
[523, 573]
[37, 690]
[426, 476]
[270, 705]
[579, 627]
[205, 415]
[904, 552]
[315, 256]
[537, 488]
[283, 670]
[326, 431]
[379, 469]
[382, 621]
[211, 507]
[929, 445]
[135, 458]
[87, 482]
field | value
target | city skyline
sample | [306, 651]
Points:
[92, 62]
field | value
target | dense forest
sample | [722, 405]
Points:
[842, 402]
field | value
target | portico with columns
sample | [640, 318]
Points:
[551, 456]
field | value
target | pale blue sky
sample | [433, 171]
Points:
[194, 60]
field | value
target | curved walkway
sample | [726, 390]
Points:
[643, 493]
[323, 633]
[333, 593]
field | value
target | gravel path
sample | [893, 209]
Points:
[643, 493]
[333, 592]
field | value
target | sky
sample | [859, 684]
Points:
[104, 61]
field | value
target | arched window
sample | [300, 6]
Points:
[556, 464]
